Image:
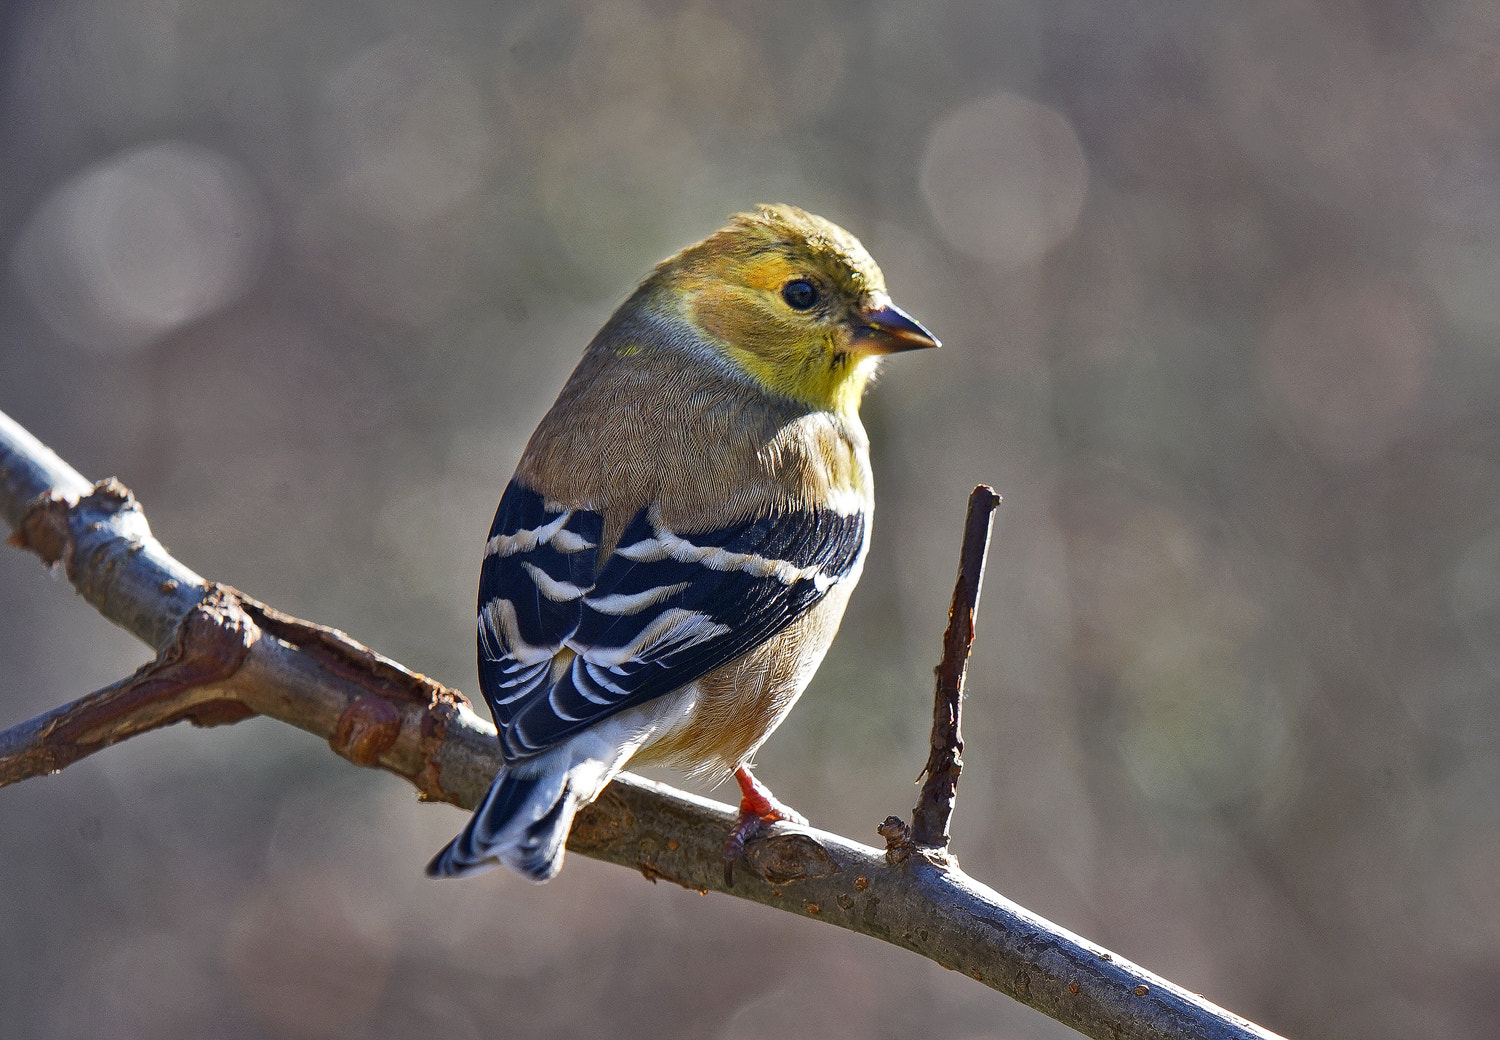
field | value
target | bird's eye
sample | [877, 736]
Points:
[800, 295]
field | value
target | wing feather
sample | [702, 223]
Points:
[565, 641]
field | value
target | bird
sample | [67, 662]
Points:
[672, 557]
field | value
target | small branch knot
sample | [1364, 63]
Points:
[897, 835]
[365, 730]
[784, 858]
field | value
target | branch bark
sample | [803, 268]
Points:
[222, 657]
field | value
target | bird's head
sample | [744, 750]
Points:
[792, 300]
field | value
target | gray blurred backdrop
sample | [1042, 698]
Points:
[1219, 287]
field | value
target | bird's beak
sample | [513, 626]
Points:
[884, 328]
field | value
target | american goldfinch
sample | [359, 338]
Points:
[671, 559]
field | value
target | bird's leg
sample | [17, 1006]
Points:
[758, 807]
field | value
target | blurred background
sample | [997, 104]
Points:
[1219, 290]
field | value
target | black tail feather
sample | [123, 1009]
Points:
[523, 822]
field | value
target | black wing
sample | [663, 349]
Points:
[663, 610]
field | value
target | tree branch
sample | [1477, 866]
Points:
[222, 657]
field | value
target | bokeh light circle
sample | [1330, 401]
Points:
[141, 244]
[1005, 179]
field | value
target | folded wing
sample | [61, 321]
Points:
[565, 641]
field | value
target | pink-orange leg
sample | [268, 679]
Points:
[758, 807]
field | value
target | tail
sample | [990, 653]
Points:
[523, 822]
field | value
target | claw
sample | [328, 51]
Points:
[758, 809]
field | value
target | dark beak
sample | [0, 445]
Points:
[884, 328]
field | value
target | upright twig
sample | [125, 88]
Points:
[929, 820]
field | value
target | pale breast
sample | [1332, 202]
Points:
[742, 703]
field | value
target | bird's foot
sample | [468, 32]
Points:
[758, 809]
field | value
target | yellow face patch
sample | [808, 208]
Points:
[729, 287]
